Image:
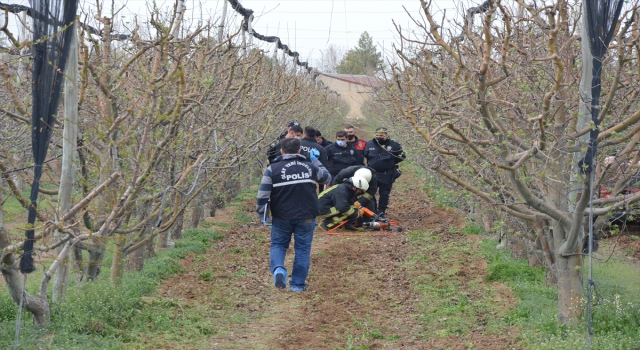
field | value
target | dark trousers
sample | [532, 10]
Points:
[385, 181]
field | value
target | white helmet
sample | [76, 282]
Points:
[359, 182]
[364, 173]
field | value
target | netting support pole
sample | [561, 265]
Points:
[222, 19]
[590, 275]
[16, 341]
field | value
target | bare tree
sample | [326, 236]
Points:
[331, 57]
[497, 110]
[162, 120]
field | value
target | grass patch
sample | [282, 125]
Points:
[100, 315]
[454, 298]
[616, 319]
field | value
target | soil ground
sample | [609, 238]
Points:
[362, 291]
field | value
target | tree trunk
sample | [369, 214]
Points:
[15, 281]
[197, 213]
[118, 259]
[137, 257]
[96, 254]
[569, 274]
[163, 239]
[36, 305]
[79, 263]
[176, 229]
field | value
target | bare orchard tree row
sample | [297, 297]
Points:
[166, 125]
[497, 113]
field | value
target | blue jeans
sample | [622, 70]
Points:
[302, 230]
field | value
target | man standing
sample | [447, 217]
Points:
[337, 203]
[289, 186]
[273, 152]
[383, 155]
[309, 144]
[286, 131]
[359, 145]
[340, 154]
[321, 140]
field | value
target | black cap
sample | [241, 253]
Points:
[294, 124]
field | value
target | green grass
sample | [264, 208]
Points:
[616, 318]
[454, 300]
[100, 315]
[13, 209]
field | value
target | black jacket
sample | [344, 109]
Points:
[339, 196]
[309, 143]
[325, 143]
[349, 172]
[290, 186]
[383, 157]
[340, 158]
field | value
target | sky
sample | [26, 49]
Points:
[306, 26]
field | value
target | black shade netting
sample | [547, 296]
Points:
[602, 20]
[52, 20]
[247, 13]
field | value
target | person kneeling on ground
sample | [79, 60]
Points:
[289, 185]
[366, 199]
[336, 203]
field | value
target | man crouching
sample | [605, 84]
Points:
[289, 184]
[337, 203]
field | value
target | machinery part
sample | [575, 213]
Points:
[377, 225]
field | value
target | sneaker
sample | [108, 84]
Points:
[381, 216]
[298, 289]
[280, 278]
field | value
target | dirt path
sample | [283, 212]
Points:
[362, 291]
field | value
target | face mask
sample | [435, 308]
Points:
[351, 137]
[341, 143]
[297, 137]
[380, 139]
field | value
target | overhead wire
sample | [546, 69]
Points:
[330, 21]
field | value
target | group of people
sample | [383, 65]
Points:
[303, 158]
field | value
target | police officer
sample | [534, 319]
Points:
[340, 154]
[286, 131]
[289, 185]
[383, 155]
[309, 143]
[295, 131]
[321, 140]
[359, 145]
